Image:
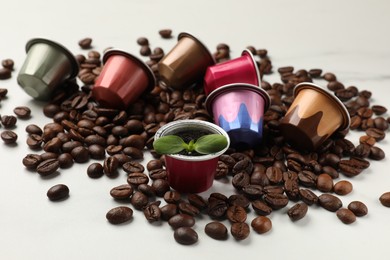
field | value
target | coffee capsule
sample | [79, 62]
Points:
[313, 117]
[47, 65]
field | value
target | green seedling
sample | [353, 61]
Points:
[206, 144]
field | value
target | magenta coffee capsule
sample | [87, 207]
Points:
[313, 117]
[240, 70]
[123, 79]
[47, 65]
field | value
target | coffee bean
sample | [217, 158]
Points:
[324, 183]
[377, 134]
[244, 165]
[48, 167]
[358, 208]
[33, 129]
[187, 208]
[308, 196]
[172, 197]
[95, 170]
[381, 123]
[185, 236]
[65, 160]
[216, 208]
[110, 166]
[167, 211]
[274, 175]
[165, 33]
[137, 178]
[221, 171]
[8, 121]
[329, 202]
[197, 201]
[346, 216]
[132, 166]
[5, 73]
[349, 168]
[342, 187]
[22, 112]
[31, 161]
[139, 200]
[80, 154]
[376, 153]
[145, 50]
[241, 180]
[297, 212]
[161, 186]
[385, 199]
[50, 110]
[85, 43]
[8, 64]
[362, 150]
[379, 110]
[261, 208]
[152, 213]
[142, 41]
[48, 155]
[236, 214]
[238, 200]
[253, 191]
[9, 137]
[216, 230]
[153, 165]
[96, 151]
[261, 224]
[58, 192]
[119, 215]
[158, 174]
[181, 220]
[276, 201]
[307, 178]
[240, 230]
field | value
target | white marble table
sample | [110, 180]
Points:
[349, 38]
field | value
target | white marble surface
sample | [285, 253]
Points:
[349, 38]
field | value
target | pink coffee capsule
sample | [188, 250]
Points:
[123, 79]
[240, 70]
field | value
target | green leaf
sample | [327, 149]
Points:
[212, 143]
[169, 144]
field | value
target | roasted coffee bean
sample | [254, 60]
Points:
[95, 170]
[139, 200]
[274, 175]
[181, 220]
[85, 43]
[172, 197]
[137, 178]
[152, 213]
[8, 121]
[22, 112]
[9, 137]
[324, 183]
[362, 150]
[147, 190]
[259, 178]
[119, 215]
[69, 146]
[216, 208]
[379, 110]
[356, 121]
[110, 166]
[50, 110]
[307, 178]
[365, 112]
[335, 85]
[297, 212]
[221, 171]
[34, 141]
[80, 154]
[381, 123]
[185, 236]
[5, 73]
[238, 200]
[286, 69]
[33, 129]
[346, 216]
[358, 208]
[167, 211]
[58, 192]
[261, 208]
[228, 160]
[308, 196]
[187, 208]
[132, 166]
[253, 191]
[342, 187]
[276, 201]
[8, 64]
[273, 189]
[153, 165]
[240, 230]
[48, 167]
[31, 161]
[197, 201]
[160, 186]
[145, 50]
[216, 230]
[158, 174]
[236, 214]
[261, 224]
[48, 155]
[65, 160]
[241, 180]
[291, 188]
[142, 41]
[376, 153]
[123, 191]
[54, 145]
[349, 168]
[385, 199]
[377, 134]
[329, 202]
[165, 33]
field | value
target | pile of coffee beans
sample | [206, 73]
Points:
[266, 178]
